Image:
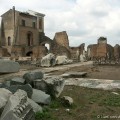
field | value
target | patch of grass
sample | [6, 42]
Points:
[94, 98]
[45, 115]
[111, 100]
[60, 104]
[55, 104]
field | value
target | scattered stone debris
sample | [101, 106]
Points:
[48, 60]
[115, 93]
[8, 66]
[67, 101]
[23, 100]
[61, 60]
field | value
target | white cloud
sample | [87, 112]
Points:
[84, 21]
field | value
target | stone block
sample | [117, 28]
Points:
[31, 76]
[17, 81]
[48, 60]
[61, 60]
[35, 106]
[55, 86]
[40, 85]
[27, 88]
[18, 108]
[4, 96]
[40, 97]
[8, 66]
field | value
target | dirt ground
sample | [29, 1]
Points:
[96, 72]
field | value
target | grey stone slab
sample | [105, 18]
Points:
[55, 86]
[35, 106]
[17, 81]
[31, 76]
[40, 85]
[8, 66]
[26, 88]
[74, 74]
[4, 96]
[40, 97]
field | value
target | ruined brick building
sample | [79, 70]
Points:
[22, 34]
[21, 31]
[102, 50]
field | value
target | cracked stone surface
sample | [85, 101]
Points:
[94, 83]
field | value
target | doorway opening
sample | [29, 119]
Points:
[29, 53]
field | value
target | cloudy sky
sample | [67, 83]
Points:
[84, 20]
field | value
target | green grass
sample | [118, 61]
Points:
[88, 104]
[45, 115]
[111, 100]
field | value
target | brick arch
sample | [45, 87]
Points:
[48, 42]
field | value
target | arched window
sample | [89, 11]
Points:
[9, 41]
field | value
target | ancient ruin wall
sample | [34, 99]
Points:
[61, 38]
[117, 51]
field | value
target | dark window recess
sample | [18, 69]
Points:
[9, 41]
[40, 24]
[33, 24]
[23, 22]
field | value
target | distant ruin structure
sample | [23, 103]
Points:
[103, 51]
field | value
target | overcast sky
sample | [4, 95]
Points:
[84, 20]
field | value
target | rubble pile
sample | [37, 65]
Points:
[22, 97]
[52, 60]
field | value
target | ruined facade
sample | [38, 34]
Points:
[21, 31]
[77, 51]
[101, 50]
[22, 34]
[117, 52]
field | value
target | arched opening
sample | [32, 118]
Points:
[9, 41]
[29, 38]
[29, 53]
